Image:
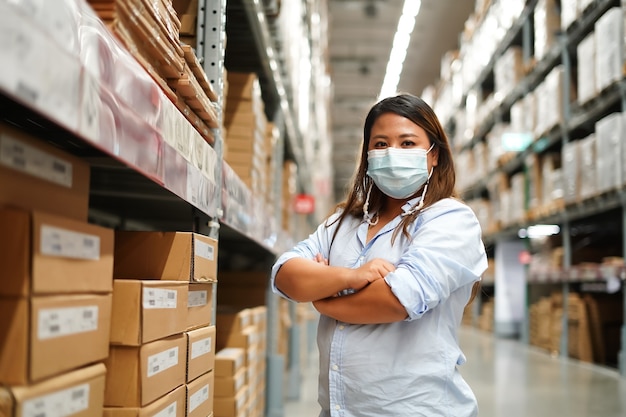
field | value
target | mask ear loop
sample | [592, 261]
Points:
[419, 205]
[367, 217]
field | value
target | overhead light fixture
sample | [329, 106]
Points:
[401, 41]
[538, 231]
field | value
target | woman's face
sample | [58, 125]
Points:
[392, 130]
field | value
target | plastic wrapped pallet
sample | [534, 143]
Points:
[547, 24]
[609, 53]
[587, 69]
[572, 172]
[508, 70]
[569, 13]
[609, 132]
[588, 167]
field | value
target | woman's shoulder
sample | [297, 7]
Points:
[448, 204]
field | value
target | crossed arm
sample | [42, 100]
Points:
[305, 280]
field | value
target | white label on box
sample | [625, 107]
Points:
[159, 298]
[169, 411]
[198, 398]
[203, 250]
[201, 347]
[162, 361]
[58, 404]
[30, 160]
[69, 244]
[59, 322]
[197, 298]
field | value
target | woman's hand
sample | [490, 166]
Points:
[369, 272]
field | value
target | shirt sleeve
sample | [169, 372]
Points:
[445, 254]
[317, 242]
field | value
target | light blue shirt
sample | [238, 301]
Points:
[407, 368]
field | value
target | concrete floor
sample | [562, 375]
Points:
[511, 379]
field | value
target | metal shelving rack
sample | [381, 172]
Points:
[575, 117]
[169, 192]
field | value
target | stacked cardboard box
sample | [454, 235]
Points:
[162, 339]
[289, 187]
[609, 36]
[246, 130]
[150, 30]
[243, 329]
[56, 276]
[547, 25]
[231, 389]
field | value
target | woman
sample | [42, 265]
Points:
[390, 273]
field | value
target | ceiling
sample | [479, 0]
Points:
[360, 38]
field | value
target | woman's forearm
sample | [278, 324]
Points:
[305, 280]
[374, 304]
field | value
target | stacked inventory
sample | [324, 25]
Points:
[537, 128]
[55, 297]
[241, 353]
[162, 339]
[246, 125]
[152, 34]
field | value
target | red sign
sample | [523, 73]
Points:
[304, 204]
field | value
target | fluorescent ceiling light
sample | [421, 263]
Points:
[539, 230]
[401, 41]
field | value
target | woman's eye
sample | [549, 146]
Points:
[408, 144]
[380, 145]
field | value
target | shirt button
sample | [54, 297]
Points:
[341, 327]
[335, 367]
[337, 407]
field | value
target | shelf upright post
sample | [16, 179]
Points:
[621, 359]
[565, 229]
[275, 361]
[622, 352]
[210, 49]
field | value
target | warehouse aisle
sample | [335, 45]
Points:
[512, 379]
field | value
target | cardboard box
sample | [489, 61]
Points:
[200, 396]
[199, 305]
[231, 406]
[144, 311]
[138, 375]
[171, 404]
[176, 256]
[228, 361]
[232, 319]
[78, 393]
[228, 386]
[245, 338]
[48, 335]
[200, 351]
[41, 253]
[37, 176]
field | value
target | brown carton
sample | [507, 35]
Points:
[228, 361]
[228, 386]
[200, 396]
[138, 375]
[231, 406]
[144, 311]
[199, 305]
[177, 256]
[48, 335]
[200, 351]
[78, 393]
[43, 254]
[171, 404]
[37, 176]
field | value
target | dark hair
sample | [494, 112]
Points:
[441, 183]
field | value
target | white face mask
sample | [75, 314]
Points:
[399, 173]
